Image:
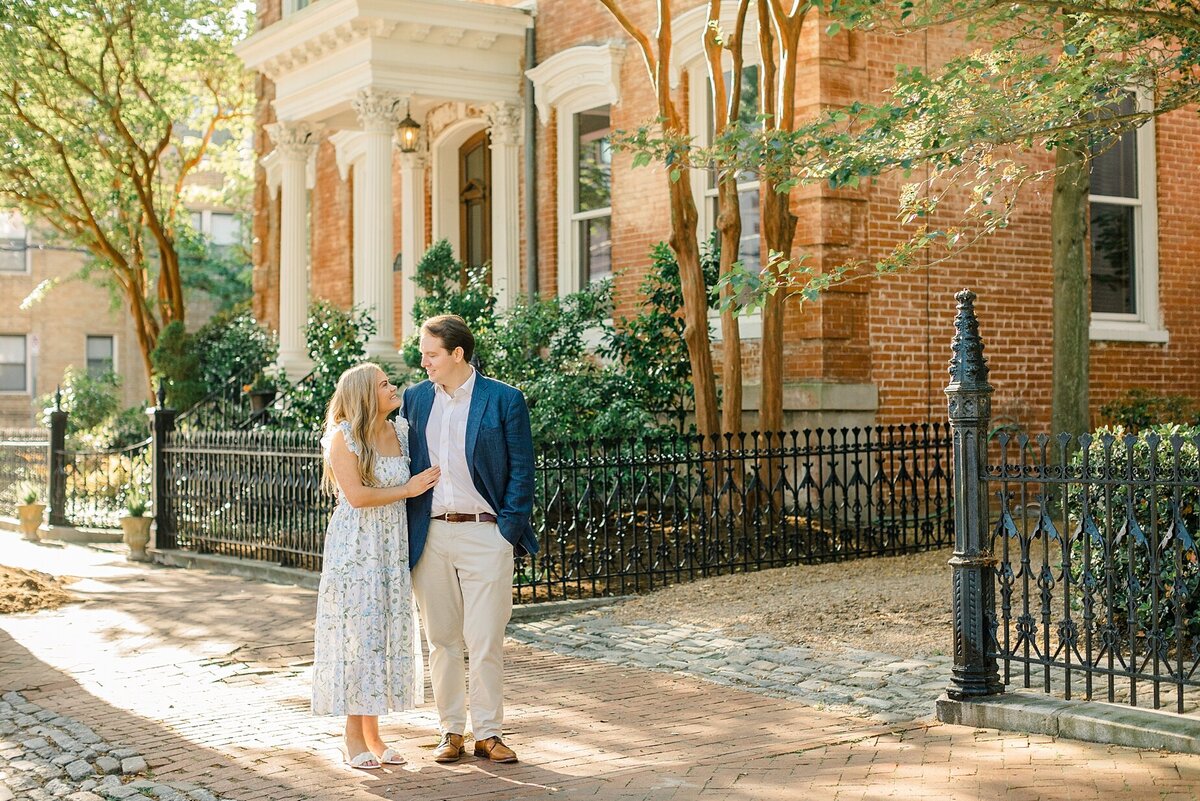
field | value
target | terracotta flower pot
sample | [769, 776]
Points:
[30, 515]
[137, 535]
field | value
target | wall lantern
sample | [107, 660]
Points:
[409, 131]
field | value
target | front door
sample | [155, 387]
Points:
[475, 202]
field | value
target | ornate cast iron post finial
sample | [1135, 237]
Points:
[969, 396]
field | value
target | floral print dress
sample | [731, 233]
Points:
[367, 652]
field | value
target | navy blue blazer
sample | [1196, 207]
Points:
[499, 453]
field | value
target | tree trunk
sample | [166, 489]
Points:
[779, 231]
[1072, 309]
[695, 304]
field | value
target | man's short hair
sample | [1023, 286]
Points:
[452, 330]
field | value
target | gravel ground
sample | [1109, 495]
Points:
[896, 605]
[29, 591]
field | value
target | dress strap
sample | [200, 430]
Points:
[351, 443]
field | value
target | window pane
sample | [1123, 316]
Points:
[12, 364]
[1114, 163]
[593, 160]
[225, 229]
[475, 234]
[12, 243]
[197, 219]
[750, 251]
[99, 355]
[1113, 265]
[595, 246]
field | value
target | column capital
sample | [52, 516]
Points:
[376, 109]
[295, 141]
[505, 120]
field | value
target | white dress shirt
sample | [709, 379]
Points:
[446, 434]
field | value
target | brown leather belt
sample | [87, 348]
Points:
[455, 517]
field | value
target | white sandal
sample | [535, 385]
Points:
[361, 761]
[391, 756]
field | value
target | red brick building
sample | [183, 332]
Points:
[343, 213]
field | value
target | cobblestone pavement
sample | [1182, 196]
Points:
[883, 687]
[206, 677]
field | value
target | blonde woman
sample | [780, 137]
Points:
[368, 658]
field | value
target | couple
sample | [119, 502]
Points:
[433, 505]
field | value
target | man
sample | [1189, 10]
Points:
[464, 533]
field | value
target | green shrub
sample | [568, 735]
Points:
[89, 401]
[176, 360]
[1138, 409]
[449, 287]
[1160, 534]
[336, 340]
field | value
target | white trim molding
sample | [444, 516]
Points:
[1146, 323]
[593, 72]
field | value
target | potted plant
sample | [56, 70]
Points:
[30, 512]
[261, 391]
[136, 527]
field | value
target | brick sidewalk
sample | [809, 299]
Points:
[207, 677]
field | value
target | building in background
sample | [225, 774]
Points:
[342, 212]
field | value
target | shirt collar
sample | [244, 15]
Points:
[464, 391]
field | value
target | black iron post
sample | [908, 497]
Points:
[162, 423]
[57, 491]
[975, 672]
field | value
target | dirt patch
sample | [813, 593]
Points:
[29, 591]
[897, 605]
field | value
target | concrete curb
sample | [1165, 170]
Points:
[277, 574]
[77, 536]
[1092, 721]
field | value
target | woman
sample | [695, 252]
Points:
[367, 654]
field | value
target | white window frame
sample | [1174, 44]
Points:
[570, 82]
[112, 337]
[1146, 324]
[28, 391]
[28, 250]
[699, 100]
[292, 6]
[573, 217]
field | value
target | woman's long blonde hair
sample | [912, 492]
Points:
[356, 402]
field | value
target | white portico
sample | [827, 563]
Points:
[349, 71]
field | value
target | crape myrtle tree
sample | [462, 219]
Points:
[107, 109]
[779, 25]
[1039, 76]
[674, 152]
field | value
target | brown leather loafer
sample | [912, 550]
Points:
[450, 749]
[494, 749]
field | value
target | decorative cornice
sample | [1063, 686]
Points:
[590, 70]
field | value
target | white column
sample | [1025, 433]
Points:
[357, 211]
[295, 143]
[412, 233]
[373, 226]
[505, 119]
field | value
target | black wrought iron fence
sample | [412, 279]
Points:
[1076, 570]
[24, 459]
[254, 494]
[1097, 576]
[97, 484]
[612, 517]
[631, 515]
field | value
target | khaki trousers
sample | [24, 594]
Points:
[463, 586]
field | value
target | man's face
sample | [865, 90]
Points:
[438, 361]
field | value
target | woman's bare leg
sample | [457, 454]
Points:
[356, 728]
[370, 732]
